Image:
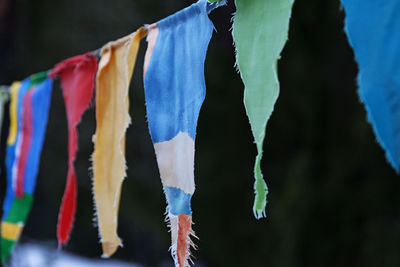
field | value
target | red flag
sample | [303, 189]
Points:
[77, 76]
[27, 130]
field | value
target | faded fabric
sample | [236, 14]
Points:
[175, 90]
[77, 76]
[373, 29]
[260, 32]
[30, 102]
[112, 115]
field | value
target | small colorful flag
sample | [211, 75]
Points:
[260, 31]
[175, 90]
[77, 76]
[112, 116]
[373, 30]
[30, 103]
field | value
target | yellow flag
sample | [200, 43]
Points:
[13, 113]
[112, 116]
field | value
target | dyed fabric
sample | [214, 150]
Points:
[77, 76]
[12, 140]
[14, 91]
[112, 115]
[373, 28]
[26, 139]
[175, 90]
[29, 107]
[260, 32]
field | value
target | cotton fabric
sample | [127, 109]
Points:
[260, 31]
[112, 116]
[77, 76]
[175, 91]
[373, 28]
[29, 108]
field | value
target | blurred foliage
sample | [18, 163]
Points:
[333, 198]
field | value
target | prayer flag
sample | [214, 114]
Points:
[112, 116]
[260, 31]
[77, 81]
[373, 29]
[175, 90]
[30, 103]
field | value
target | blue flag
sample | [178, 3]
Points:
[373, 30]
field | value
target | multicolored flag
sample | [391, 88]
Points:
[175, 90]
[29, 108]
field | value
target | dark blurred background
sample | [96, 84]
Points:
[333, 198]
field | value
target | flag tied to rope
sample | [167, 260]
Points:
[112, 116]
[373, 29]
[77, 82]
[174, 91]
[260, 31]
[29, 108]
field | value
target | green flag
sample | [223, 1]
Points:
[260, 32]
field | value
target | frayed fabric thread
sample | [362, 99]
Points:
[181, 242]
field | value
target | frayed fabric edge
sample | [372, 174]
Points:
[181, 230]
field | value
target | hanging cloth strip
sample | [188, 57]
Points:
[260, 32]
[373, 29]
[175, 89]
[9, 236]
[112, 116]
[77, 81]
[30, 102]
